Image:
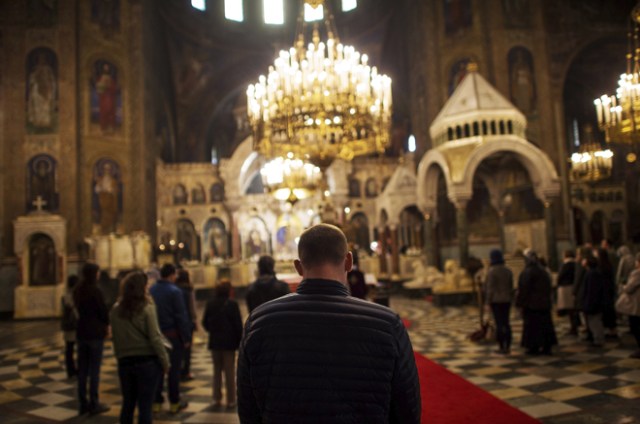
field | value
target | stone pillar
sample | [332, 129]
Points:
[382, 242]
[463, 232]
[395, 252]
[550, 223]
[429, 244]
[501, 224]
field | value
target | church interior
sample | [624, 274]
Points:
[207, 133]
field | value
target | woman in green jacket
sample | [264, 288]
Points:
[139, 348]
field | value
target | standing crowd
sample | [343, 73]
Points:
[596, 289]
[295, 352]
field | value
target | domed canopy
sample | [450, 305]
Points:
[476, 109]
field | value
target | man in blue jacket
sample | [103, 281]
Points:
[175, 325]
[322, 356]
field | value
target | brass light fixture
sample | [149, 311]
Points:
[619, 114]
[320, 101]
[592, 162]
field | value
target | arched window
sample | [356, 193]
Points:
[510, 127]
[449, 133]
[273, 12]
[476, 129]
[458, 132]
[493, 127]
[501, 127]
[233, 10]
[467, 130]
[199, 4]
[484, 127]
[348, 5]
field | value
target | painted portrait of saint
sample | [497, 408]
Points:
[255, 239]
[180, 195]
[42, 261]
[457, 15]
[215, 239]
[42, 91]
[457, 73]
[107, 195]
[106, 97]
[41, 183]
[106, 13]
[197, 195]
[522, 85]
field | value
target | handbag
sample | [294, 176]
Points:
[566, 299]
[624, 304]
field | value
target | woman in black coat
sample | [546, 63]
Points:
[223, 322]
[534, 299]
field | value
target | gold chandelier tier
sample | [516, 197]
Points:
[591, 163]
[320, 102]
[619, 114]
[290, 179]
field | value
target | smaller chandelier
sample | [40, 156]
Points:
[591, 162]
[289, 179]
[619, 114]
[320, 102]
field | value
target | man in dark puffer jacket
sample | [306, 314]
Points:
[321, 356]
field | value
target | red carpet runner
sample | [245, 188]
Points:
[449, 399]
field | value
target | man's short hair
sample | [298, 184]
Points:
[266, 265]
[167, 270]
[322, 244]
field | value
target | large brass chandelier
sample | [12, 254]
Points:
[290, 179]
[320, 101]
[591, 163]
[619, 114]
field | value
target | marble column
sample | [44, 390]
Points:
[462, 232]
[395, 252]
[550, 223]
[501, 224]
[429, 243]
[382, 242]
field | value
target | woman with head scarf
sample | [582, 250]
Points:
[534, 299]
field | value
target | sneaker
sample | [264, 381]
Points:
[157, 408]
[99, 409]
[177, 407]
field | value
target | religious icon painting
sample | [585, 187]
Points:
[188, 240]
[180, 195]
[106, 14]
[197, 195]
[42, 189]
[42, 91]
[107, 195]
[457, 73]
[255, 238]
[371, 188]
[216, 244]
[42, 13]
[216, 192]
[522, 85]
[457, 15]
[105, 98]
[42, 261]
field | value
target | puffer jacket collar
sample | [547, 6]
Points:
[322, 286]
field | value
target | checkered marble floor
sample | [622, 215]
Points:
[578, 384]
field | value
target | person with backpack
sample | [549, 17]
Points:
[223, 322]
[68, 325]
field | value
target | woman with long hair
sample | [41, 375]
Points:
[93, 324]
[138, 347]
[223, 322]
